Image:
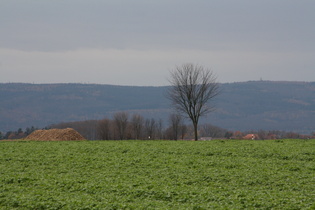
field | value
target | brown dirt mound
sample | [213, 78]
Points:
[67, 134]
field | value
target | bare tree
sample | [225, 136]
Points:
[182, 131]
[208, 130]
[175, 121]
[159, 129]
[192, 88]
[137, 125]
[150, 128]
[103, 129]
[121, 121]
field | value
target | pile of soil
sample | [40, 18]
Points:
[67, 134]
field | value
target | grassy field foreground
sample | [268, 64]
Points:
[231, 174]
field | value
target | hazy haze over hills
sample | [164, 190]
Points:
[253, 105]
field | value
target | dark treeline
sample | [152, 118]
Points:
[123, 126]
[19, 134]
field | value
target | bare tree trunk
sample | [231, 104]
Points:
[196, 131]
[150, 128]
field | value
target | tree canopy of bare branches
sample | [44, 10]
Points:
[176, 123]
[192, 89]
[137, 125]
[121, 121]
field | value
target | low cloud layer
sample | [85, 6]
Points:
[138, 42]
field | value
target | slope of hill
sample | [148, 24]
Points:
[254, 105]
[288, 106]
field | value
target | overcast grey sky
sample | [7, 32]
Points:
[137, 42]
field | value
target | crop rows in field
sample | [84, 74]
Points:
[157, 174]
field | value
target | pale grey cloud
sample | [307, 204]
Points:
[138, 42]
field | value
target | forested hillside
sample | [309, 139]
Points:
[241, 106]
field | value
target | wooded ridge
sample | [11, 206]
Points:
[254, 105]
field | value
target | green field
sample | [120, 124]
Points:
[231, 174]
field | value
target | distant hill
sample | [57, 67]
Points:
[255, 105]
[288, 106]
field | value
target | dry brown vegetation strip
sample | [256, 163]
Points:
[67, 134]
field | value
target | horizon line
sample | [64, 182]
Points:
[126, 85]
